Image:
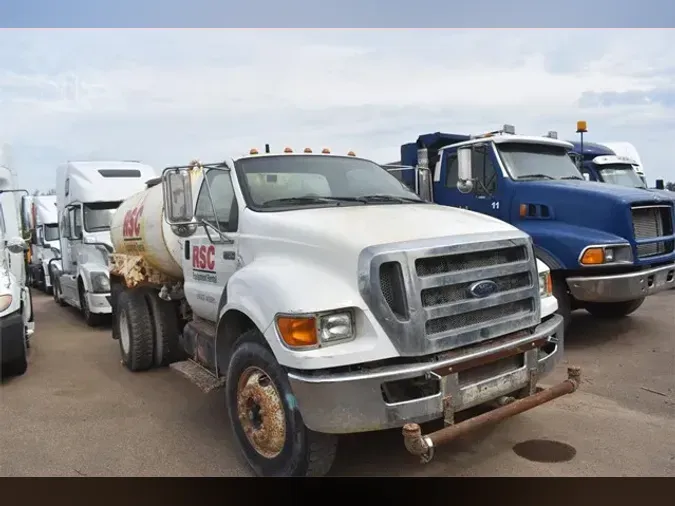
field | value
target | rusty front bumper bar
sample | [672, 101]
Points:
[423, 446]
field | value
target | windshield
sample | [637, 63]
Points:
[51, 232]
[537, 161]
[292, 181]
[621, 174]
[97, 216]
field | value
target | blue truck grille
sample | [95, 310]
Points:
[650, 222]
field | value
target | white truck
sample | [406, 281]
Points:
[42, 224]
[326, 298]
[16, 307]
[87, 195]
[628, 150]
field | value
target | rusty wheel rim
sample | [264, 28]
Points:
[261, 412]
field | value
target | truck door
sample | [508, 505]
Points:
[71, 244]
[485, 197]
[210, 258]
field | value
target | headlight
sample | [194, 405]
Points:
[606, 254]
[100, 283]
[5, 302]
[310, 332]
[545, 284]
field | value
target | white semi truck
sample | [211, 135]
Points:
[42, 224]
[16, 306]
[87, 195]
[326, 298]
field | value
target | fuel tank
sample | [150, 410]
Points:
[138, 228]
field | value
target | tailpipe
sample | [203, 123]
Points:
[423, 445]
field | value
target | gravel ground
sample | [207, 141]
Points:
[78, 412]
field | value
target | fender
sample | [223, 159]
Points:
[270, 286]
[560, 244]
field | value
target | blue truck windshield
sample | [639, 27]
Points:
[621, 174]
[526, 161]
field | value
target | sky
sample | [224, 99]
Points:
[168, 96]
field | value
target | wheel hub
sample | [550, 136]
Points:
[261, 412]
[124, 332]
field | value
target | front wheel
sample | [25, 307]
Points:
[266, 421]
[92, 319]
[564, 298]
[611, 310]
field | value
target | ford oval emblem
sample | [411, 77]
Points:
[482, 289]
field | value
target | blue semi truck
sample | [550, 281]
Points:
[608, 246]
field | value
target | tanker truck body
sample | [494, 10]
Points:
[42, 229]
[325, 298]
[87, 195]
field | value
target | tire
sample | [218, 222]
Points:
[165, 330]
[564, 298]
[49, 290]
[135, 331]
[91, 319]
[301, 451]
[19, 365]
[57, 294]
[613, 310]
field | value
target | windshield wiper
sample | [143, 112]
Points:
[535, 176]
[308, 200]
[388, 198]
[573, 177]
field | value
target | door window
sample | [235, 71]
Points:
[218, 212]
[483, 170]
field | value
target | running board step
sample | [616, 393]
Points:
[198, 375]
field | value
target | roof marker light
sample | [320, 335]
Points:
[509, 129]
[253, 151]
[308, 150]
[325, 151]
[552, 134]
[351, 153]
[288, 150]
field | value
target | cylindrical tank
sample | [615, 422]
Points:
[138, 228]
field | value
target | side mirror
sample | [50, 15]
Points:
[177, 189]
[17, 245]
[465, 173]
[424, 184]
[587, 176]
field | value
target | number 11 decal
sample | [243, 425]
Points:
[495, 205]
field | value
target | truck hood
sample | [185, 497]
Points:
[594, 190]
[353, 228]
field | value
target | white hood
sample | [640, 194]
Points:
[358, 227]
[332, 238]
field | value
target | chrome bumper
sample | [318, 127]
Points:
[342, 403]
[622, 287]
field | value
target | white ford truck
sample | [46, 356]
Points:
[326, 298]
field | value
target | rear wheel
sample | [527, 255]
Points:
[611, 310]
[164, 318]
[267, 423]
[134, 329]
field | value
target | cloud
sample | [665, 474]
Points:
[167, 96]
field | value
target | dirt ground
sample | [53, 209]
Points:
[78, 412]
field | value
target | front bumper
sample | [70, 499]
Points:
[12, 337]
[622, 287]
[98, 303]
[348, 402]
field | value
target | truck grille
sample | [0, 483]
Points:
[422, 296]
[650, 222]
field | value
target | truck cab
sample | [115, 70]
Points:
[16, 308]
[87, 195]
[607, 246]
[42, 227]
